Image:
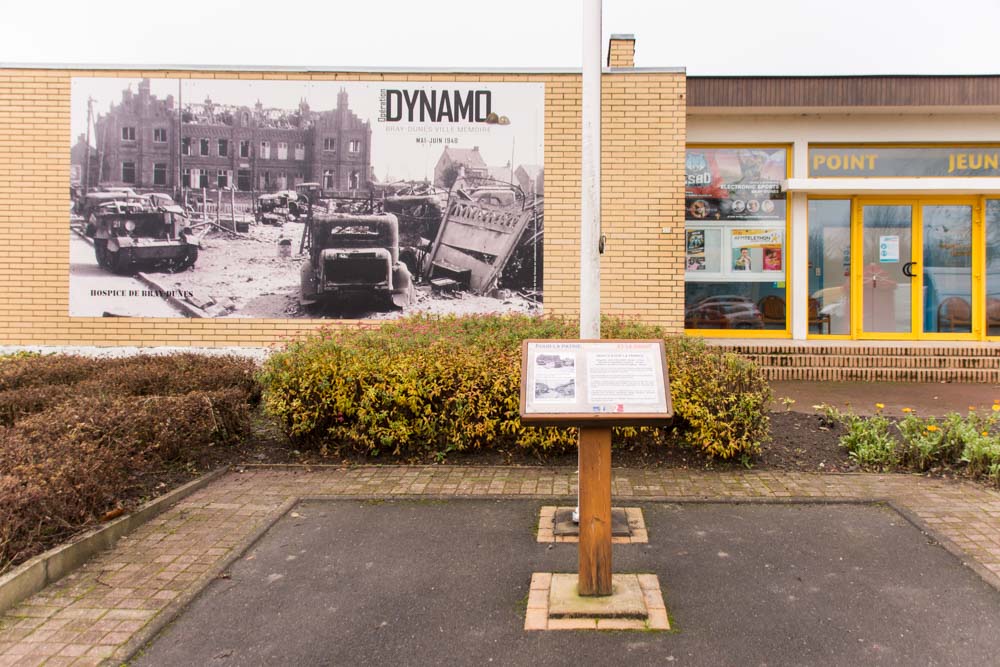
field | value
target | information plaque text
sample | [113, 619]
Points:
[580, 382]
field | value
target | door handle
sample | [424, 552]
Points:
[908, 269]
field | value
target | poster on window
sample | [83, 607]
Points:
[756, 250]
[305, 199]
[735, 183]
[696, 250]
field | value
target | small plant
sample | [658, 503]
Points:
[869, 440]
[926, 442]
[788, 402]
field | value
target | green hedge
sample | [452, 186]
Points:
[424, 387]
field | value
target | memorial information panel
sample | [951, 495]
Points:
[567, 380]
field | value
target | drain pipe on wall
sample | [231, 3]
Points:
[590, 192]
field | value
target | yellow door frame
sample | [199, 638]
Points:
[978, 242]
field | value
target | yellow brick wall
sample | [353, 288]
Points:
[642, 163]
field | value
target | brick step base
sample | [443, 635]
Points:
[887, 362]
[977, 350]
[812, 373]
[948, 363]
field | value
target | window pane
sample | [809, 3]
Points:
[734, 306]
[993, 267]
[886, 288]
[829, 266]
[947, 269]
[735, 254]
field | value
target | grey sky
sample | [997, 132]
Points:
[720, 37]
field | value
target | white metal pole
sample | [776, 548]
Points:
[590, 204]
[590, 191]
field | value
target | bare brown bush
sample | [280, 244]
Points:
[74, 450]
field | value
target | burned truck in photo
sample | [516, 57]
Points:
[127, 239]
[354, 257]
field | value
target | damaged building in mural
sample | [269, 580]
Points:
[219, 146]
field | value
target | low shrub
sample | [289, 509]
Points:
[424, 387]
[167, 375]
[18, 372]
[92, 441]
[723, 398]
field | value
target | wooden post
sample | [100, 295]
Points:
[595, 511]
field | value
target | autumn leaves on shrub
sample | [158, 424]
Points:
[422, 388]
[78, 436]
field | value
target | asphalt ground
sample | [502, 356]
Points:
[446, 582]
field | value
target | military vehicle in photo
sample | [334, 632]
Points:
[354, 257]
[132, 237]
[279, 207]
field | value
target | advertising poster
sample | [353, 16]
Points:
[735, 183]
[756, 250]
[696, 250]
[305, 199]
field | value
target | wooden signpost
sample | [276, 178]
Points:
[595, 385]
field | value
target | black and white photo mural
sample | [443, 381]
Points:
[305, 199]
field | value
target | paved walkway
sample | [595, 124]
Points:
[112, 604]
[928, 399]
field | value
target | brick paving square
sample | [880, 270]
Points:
[138, 579]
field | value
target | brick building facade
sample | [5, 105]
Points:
[226, 146]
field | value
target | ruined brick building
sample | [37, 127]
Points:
[223, 146]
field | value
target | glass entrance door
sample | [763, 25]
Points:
[887, 278]
[916, 273]
[946, 275]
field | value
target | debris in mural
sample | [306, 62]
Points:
[233, 208]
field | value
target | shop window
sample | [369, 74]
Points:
[159, 173]
[328, 179]
[736, 254]
[128, 172]
[355, 180]
[186, 178]
[203, 178]
[160, 135]
[829, 266]
[223, 147]
[225, 178]
[993, 267]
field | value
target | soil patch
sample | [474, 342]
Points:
[800, 442]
